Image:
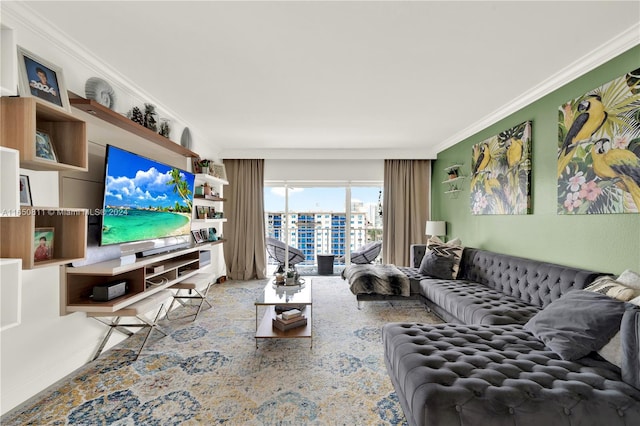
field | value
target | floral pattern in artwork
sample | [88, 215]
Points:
[599, 149]
[501, 173]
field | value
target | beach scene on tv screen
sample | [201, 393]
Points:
[144, 199]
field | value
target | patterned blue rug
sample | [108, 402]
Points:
[210, 372]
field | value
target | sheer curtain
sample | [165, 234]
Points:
[405, 207]
[245, 250]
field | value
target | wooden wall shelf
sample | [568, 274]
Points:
[70, 235]
[21, 117]
[93, 108]
[141, 282]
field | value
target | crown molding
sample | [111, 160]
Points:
[605, 52]
[30, 19]
[330, 154]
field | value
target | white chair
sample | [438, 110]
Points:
[193, 288]
[137, 310]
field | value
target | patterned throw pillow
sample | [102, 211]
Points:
[446, 250]
[608, 286]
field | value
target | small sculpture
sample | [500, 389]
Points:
[135, 115]
[149, 117]
[164, 128]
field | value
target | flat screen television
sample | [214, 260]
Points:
[144, 199]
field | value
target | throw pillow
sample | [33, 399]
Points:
[630, 279]
[608, 286]
[445, 250]
[630, 332]
[612, 351]
[437, 266]
[577, 323]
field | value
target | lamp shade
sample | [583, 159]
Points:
[436, 228]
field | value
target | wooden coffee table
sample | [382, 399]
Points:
[292, 297]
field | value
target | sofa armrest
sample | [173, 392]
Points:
[417, 252]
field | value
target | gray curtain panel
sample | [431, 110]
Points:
[245, 249]
[405, 208]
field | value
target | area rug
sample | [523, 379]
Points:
[210, 372]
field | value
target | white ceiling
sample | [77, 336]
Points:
[350, 79]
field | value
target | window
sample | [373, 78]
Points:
[318, 217]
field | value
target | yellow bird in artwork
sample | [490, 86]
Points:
[592, 116]
[481, 163]
[483, 158]
[620, 165]
[514, 152]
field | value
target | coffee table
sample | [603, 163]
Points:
[297, 296]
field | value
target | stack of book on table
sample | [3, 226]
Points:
[289, 319]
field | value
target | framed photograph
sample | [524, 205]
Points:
[196, 236]
[218, 170]
[44, 146]
[195, 165]
[41, 79]
[25, 191]
[43, 243]
[201, 212]
[204, 234]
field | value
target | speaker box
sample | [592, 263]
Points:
[108, 291]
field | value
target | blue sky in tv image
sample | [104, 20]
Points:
[133, 181]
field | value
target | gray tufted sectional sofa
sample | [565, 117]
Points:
[484, 367]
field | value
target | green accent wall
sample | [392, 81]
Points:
[607, 242]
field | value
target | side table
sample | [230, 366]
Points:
[325, 263]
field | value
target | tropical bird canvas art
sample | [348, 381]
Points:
[599, 149]
[501, 172]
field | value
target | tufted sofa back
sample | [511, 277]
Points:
[534, 282]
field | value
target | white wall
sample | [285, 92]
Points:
[326, 171]
[45, 346]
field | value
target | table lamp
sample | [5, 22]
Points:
[436, 228]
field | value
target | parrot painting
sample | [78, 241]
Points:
[620, 165]
[592, 116]
[514, 152]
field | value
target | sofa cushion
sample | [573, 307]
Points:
[481, 374]
[630, 339]
[534, 282]
[608, 286]
[473, 303]
[447, 250]
[630, 279]
[437, 266]
[578, 323]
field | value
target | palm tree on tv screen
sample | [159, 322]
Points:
[180, 186]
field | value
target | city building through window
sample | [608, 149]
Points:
[323, 220]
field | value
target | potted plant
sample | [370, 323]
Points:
[204, 166]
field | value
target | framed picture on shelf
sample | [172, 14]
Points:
[201, 212]
[204, 234]
[218, 170]
[196, 236]
[44, 146]
[43, 243]
[25, 191]
[195, 165]
[41, 79]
